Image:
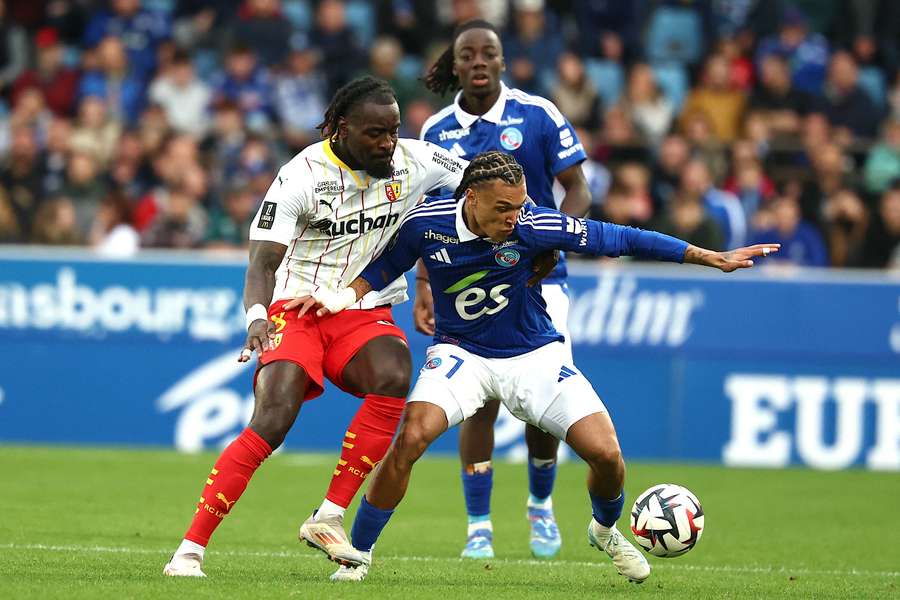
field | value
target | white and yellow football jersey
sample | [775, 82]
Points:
[335, 220]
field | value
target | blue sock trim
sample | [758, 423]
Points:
[607, 512]
[367, 526]
[541, 480]
[479, 518]
[477, 491]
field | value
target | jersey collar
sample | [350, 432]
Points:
[360, 182]
[494, 113]
[462, 231]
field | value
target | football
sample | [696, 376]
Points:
[667, 520]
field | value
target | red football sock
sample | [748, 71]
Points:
[365, 444]
[226, 483]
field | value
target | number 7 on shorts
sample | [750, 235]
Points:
[459, 362]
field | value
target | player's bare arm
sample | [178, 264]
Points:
[739, 258]
[423, 305]
[265, 257]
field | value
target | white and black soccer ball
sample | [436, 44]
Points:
[667, 520]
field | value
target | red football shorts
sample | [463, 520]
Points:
[324, 345]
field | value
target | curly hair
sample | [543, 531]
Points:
[440, 78]
[489, 166]
[352, 94]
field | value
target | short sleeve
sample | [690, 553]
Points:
[561, 145]
[287, 200]
[442, 170]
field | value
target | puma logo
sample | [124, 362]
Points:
[369, 462]
[221, 496]
[328, 204]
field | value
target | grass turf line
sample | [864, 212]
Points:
[101, 523]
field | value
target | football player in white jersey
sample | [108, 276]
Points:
[329, 212]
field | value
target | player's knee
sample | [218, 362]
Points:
[604, 456]
[411, 443]
[392, 378]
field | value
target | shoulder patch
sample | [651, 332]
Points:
[267, 215]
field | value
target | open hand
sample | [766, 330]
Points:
[742, 258]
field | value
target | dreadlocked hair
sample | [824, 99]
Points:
[350, 95]
[488, 166]
[440, 78]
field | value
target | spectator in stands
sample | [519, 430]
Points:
[846, 221]
[183, 96]
[846, 104]
[883, 163]
[801, 243]
[871, 29]
[748, 182]
[650, 110]
[229, 226]
[532, 49]
[775, 96]
[634, 179]
[261, 26]
[723, 207]
[180, 224]
[31, 111]
[139, 29]
[575, 95]
[673, 153]
[715, 97]
[596, 174]
[129, 171]
[223, 146]
[84, 188]
[417, 112]
[55, 224]
[246, 84]
[614, 207]
[698, 130]
[740, 67]
[58, 83]
[13, 50]
[22, 176]
[599, 20]
[882, 245]
[411, 22]
[111, 232]
[806, 52]
[333, 37]
[56, 154]
[10, 232]
[384, 61]
[619, 141]
[830, 168]
[686, 218]
[96, 132]
[300, 98]
[122, 88]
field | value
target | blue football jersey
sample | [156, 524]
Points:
[481, 300]
[529, 127]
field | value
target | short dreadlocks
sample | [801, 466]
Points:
[488, 166]
[353, 94]
[440, 78]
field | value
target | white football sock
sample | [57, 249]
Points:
[189, 547]
[476, 525]
[330, 509]
[545, 504]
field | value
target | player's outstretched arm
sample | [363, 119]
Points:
[265, 257]
[732, 260]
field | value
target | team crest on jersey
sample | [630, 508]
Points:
[392, 190]
[433, 363]
[511, 138]
[507, 257]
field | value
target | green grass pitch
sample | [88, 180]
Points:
[78, 523]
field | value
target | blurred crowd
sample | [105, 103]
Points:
[161, 123]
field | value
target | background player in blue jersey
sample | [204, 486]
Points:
[487, 115]
[494, 338]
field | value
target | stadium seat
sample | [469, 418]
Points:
[672, 80]
[361, 18]
[608, 77]
[871, 80]
[674, 34]
[299, 13]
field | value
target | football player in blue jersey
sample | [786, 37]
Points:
[487, 115]
[494, 339]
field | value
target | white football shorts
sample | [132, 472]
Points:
[556, 296]
[542, 387]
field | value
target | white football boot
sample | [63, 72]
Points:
[184, 565]
[628, 560]
[328, 535]
[357, 573]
